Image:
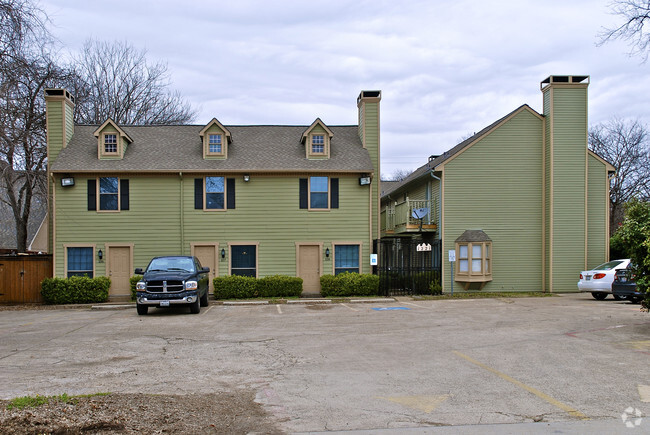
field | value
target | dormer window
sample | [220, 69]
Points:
[110, 143]
[214, 144]
[317, 144]
[215, 138]
[317, 139]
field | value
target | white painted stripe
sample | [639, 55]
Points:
[347, 306]
[279, 309]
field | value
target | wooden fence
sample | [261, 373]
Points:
[21, 276]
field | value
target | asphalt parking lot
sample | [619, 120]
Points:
[336, 367]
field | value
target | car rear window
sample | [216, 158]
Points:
[609, 265]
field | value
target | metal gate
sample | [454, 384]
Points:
[408, 266]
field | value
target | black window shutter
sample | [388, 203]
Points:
[124, 194]
[304, 203]
[92, 194]
[198, 193]
[230, 191]
[334, 196]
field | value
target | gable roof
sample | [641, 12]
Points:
[115, 126]
[216, 122]
[176, 148]
[435, 161]
[318, 121]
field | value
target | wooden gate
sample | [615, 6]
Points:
[21, 276]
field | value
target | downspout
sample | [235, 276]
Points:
[52, 217]
[180, 174]
[439, 201]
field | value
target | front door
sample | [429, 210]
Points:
[119, 271]
[309, 267]
[207, 255]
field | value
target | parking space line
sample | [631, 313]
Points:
[347, 306]
[566, 408]
[416, 305]
[279, 309]
[206, 311]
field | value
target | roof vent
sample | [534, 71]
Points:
[432, 157]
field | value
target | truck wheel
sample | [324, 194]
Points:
[599, 296]
[204, 299]
[142, 309]
[195, 308]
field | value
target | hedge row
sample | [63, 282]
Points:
[349, 284]
[75, 290]
[133, 281]
[244, 287]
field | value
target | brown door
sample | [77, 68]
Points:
[207, 256]
[309, 267]
[119, 264]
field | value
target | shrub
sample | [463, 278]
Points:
[349, 284]
[245, 287]
[435, 287]
[279, 286]
[235, 287]
[75, 290]
[133, 281]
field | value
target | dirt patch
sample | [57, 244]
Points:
[236, 413]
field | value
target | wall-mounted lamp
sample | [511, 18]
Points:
[364, 180]
[67, 181]
[223, 253]
[247, 178]
[327, 252]
[100, 254]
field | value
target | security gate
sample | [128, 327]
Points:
[408, 266]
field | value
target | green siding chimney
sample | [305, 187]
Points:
[565, 111]
[368, 105]
[59, 105]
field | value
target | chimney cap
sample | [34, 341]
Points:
[368, 95]
[59, 92]
[564, 80]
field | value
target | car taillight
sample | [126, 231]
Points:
[616, 278]
[599, 276]
[581, 276]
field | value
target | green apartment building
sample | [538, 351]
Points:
[523, 203]
[250, 200]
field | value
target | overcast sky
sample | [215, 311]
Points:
[446, 69]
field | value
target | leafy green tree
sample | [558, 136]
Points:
[635, 233]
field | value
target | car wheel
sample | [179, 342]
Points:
[634, 299]
[599, 296]
[142, 309]
[204, 300]
[195, 307]
[619, 298]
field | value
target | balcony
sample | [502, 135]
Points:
[397, 218]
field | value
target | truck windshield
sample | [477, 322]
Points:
[171, 263]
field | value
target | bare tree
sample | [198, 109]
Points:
[116, 81]
[624, 144]
[635, 15]
[26, 69]
[399, 174]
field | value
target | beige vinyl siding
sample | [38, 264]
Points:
[419, 192]
[434, 195]
[495, 185]
[598, 204]
[569, 166]
[267, 211]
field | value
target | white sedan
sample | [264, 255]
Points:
[598, 281]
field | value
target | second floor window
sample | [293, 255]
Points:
[214, 193]
[214, 144]
[318, 192]
[318, 144]
[108, 193]
[110, 143]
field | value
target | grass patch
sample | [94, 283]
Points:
[38, 400]
[487, 295]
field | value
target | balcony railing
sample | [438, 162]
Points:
[398, 217]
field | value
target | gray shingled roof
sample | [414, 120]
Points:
[431, 165]
[178, 148]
